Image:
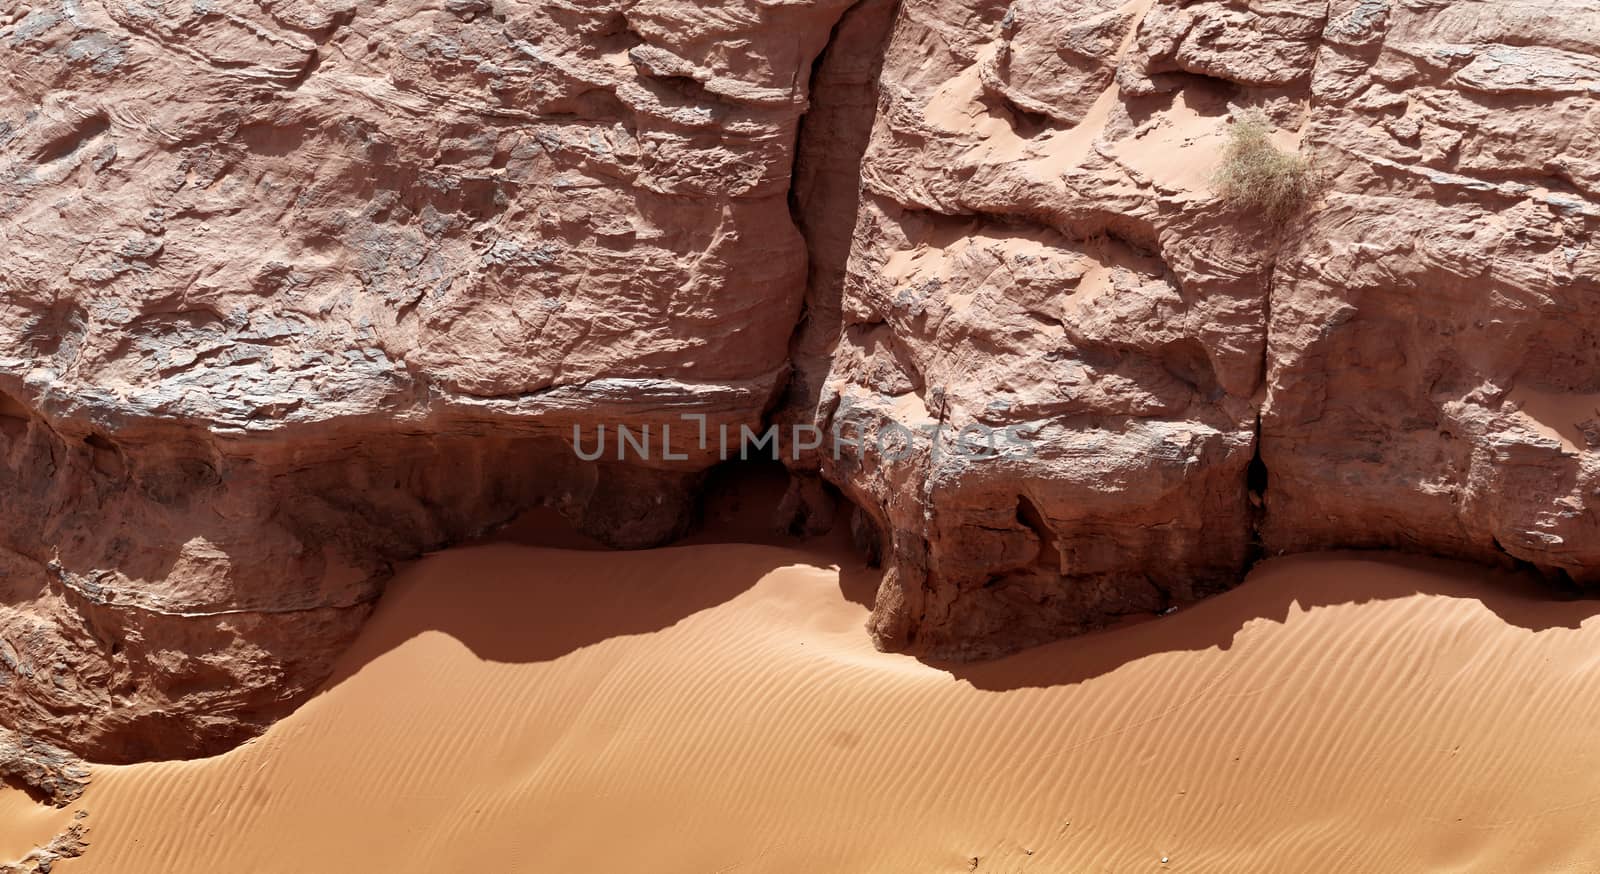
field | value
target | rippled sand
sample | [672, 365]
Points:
[718, 708]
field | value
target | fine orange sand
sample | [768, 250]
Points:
[717, 708]
[1559, 416]
[26, 825]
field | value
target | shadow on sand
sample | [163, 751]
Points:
[1274, 590]
[511, 603]
[515, 604]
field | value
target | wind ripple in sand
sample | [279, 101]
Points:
[718, 708]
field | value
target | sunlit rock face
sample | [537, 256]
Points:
[294, 290]
[1036, 254]
[1434, 373]
[1411, 361]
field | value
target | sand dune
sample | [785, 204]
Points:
[716, 708]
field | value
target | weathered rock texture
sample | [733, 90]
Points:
[53, 773]
[1435, 365]
[1412, 362]
[291, 291]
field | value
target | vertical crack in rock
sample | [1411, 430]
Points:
[1258, 477]
[825, 199]
[1257, 482]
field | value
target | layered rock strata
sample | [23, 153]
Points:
[295, 290]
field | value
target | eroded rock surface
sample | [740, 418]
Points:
[1411, 362]
[1055, 270]
[1435, 364]
[55, 774]
[292, 291]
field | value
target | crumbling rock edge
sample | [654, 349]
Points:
[56, 776]
[70, 844]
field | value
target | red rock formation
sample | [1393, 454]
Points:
[1434, 377]
[294, 291]
[1040, 247]
[1052, 272]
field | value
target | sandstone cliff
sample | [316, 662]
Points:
[292, 291]
[1410, 362]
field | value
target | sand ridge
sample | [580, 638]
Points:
[717, 707]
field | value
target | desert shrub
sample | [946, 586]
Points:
[1257, 177]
